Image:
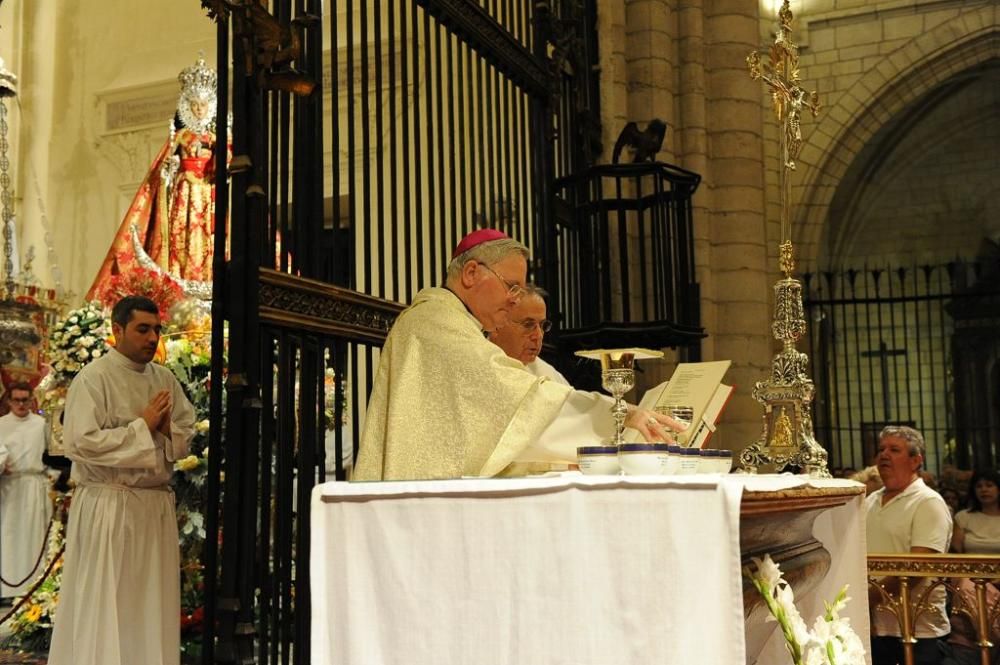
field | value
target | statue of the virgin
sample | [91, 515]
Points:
[174, 209]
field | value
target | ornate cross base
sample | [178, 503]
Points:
[786, 395]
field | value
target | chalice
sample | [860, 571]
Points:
[618, 377]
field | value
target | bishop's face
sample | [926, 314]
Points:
[496, 290]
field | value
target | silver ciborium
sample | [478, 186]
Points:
[618, 377]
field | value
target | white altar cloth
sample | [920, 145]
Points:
[568, 569]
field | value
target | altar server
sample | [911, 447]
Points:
[126, 421]
[25, 507]
[449, 403]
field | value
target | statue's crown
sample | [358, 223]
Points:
[198, 80]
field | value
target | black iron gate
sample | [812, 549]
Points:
[365, 143]
[917, 346]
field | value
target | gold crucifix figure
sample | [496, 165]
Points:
[782, 75]
[788, 98]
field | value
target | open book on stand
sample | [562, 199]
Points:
[698, 386]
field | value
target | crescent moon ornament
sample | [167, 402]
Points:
[190, 287]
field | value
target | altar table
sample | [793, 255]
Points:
[569, 569]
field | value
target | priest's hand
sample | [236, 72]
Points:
[652, 425]
[164, 427]
[157, 409]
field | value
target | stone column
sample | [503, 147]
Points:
[614, 78]
[31, 144]
[692, 146]
[650, 58]
[735, 302]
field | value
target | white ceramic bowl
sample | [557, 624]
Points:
[598, 460]
[643, 459]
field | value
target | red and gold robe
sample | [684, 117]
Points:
[176, 226]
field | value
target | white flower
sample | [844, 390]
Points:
[767, 570]
[73, 330]
[814, 656]
[839, 603]
[87, 341]
[201, 426]
[83, 354]
[786, 600]
[854, 649]
[73, 319]
[831, 642]
[822, 631]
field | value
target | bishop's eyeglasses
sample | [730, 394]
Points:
[513, 290]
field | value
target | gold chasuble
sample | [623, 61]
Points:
[447, 402]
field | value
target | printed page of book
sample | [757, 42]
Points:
[692, 384]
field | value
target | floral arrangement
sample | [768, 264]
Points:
[158, 287]
[76, 339]
[830, 642]
[188, 357]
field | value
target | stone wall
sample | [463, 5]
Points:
[873, 63]
[683, 61]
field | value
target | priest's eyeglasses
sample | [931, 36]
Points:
[529, 325]
[20, 400]
[513, 290]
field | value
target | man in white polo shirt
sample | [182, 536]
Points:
[906, 516]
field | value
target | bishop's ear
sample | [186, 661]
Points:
[469, 273]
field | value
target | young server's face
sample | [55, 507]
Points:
[20, 402]
[138, 340]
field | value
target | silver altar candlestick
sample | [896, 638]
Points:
[618, 377]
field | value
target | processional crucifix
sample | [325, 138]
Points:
[788, 437]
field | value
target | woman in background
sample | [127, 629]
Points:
[976, 531]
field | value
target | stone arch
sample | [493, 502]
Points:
[903, 76]
[963, 111]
